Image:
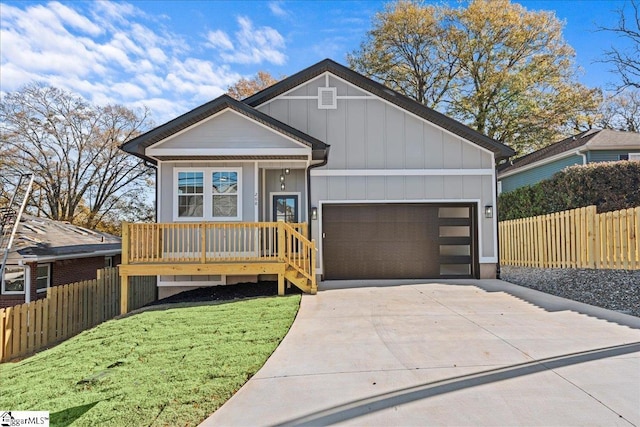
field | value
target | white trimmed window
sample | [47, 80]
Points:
[213, 194]
[13, 280]
[634, 156]
[43, 277]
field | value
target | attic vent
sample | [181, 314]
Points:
[327, 98]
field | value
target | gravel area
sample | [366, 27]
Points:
[617, 290]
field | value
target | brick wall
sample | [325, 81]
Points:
[75, 270]
[62, 273]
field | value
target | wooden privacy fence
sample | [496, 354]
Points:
[68, 310]
[579, 238]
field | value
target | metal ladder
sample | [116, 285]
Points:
[10, 217]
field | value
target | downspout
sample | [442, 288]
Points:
[583, 155]
[496, 212]
[317, 165]
[155, 202]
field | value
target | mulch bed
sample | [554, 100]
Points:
[226, 293]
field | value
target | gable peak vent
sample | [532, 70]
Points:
[327, 98]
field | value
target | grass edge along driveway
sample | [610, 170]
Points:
[173, 365]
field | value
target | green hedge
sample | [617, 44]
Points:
[610, 186]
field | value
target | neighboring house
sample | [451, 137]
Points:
[48, 253]
[387, 187]
[587, 147]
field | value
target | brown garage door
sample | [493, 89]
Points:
[398, 241]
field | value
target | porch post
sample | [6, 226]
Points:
[282, 241]
[280, 284]
[124, 294]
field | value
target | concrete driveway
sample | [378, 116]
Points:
[445, 353]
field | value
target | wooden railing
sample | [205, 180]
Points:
[219, 242]
[203, 242]
[66, 311]
[300, 253]
[579, 238]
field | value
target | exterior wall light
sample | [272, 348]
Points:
[282, 186]
[281, 178]
[488, 211]
[314, 213]
[287, 171]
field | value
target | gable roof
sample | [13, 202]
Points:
[592, 139]
[501, 151]
[37, 238]
[137, 146]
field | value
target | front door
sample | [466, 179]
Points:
[285, 208]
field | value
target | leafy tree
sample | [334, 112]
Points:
[244, 88]
[626, 60]
[505, 71]
[72, 147]
[409, 51]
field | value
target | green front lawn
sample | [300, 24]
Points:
[171, 366]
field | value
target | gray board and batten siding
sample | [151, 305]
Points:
[381, 153]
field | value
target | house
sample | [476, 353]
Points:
[48, 253]
[586, 147]
[328, 172]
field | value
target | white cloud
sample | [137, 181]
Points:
[219, 40]
[276, 8]
[256, 45]
[111, 52]
[74, 19]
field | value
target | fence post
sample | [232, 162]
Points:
[591, 236]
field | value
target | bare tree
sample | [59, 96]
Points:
[621, 111]
[244, 88]
[626, 60]
[72, 148]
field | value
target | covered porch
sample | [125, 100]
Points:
[219, 248]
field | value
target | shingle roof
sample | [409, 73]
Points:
[41, 237]
[137, 145]
[590, 139]
[327, 65]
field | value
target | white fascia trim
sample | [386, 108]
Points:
[239, 162]
[229, 152]
[53, 258]
[538, 163]
[402, 172]
[312, 97]
[226, 110]
[478, 202]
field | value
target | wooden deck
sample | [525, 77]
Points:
[211, 248]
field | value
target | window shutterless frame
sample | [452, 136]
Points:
[43, 277]
[12, 276]
[221, 194]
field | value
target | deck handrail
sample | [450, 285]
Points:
[219, 242]
[300, 253]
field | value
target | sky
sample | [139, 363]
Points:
[172, 56]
